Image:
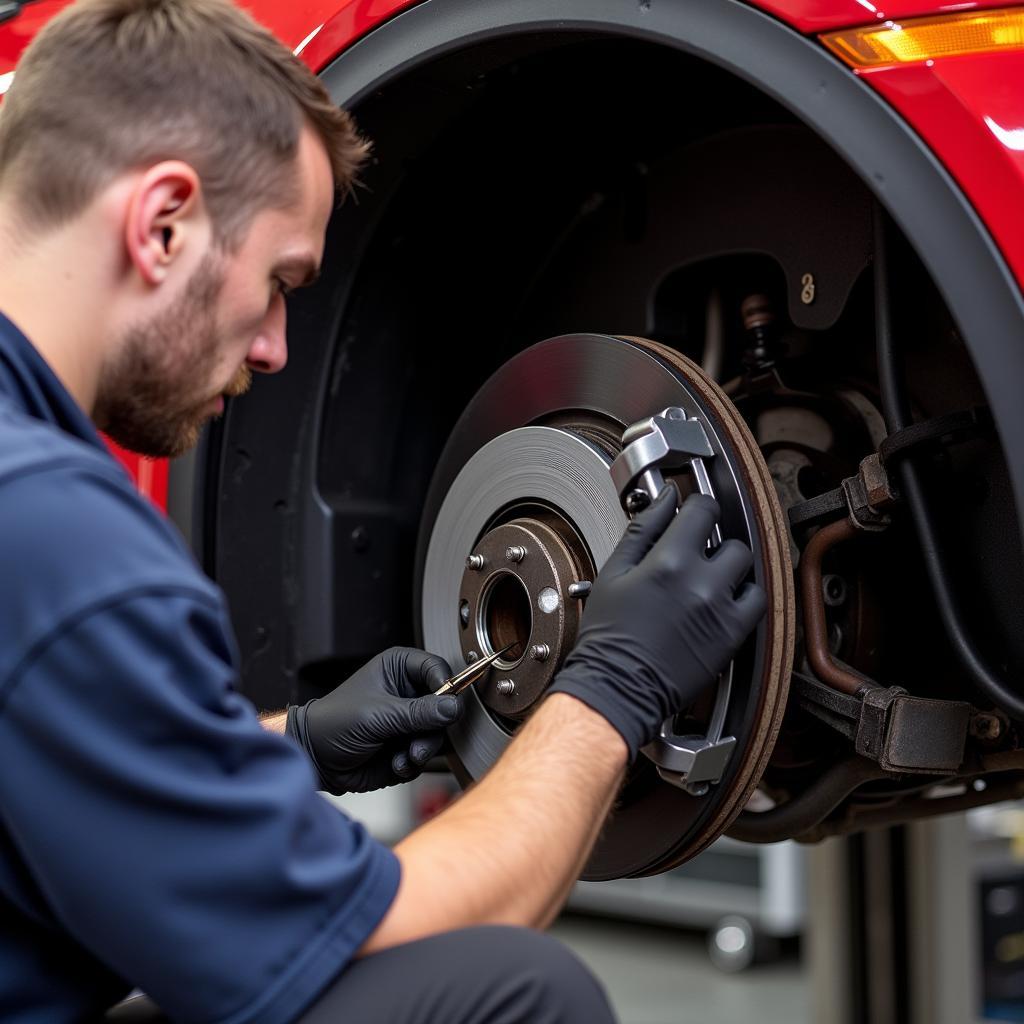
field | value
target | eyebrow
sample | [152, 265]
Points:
[306, 271]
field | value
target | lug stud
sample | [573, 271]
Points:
[540, 652]
[505, 687]
[472, 656]
[475, 562]
[515, 552]
[580, 589]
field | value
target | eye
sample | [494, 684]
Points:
[282, 287]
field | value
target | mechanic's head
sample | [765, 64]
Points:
[195, 162]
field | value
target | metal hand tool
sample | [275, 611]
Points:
[470, 674]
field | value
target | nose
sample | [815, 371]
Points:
[268, 352]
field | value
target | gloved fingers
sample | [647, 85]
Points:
[423, 748]
[425, 714]
[642, 533]
[687, 535]
[407, 764]
[403, 767]
[372, 773]
[422, 672]
[732, 560]
[751, 604]
[386, 768]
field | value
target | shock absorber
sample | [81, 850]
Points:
[759, 322]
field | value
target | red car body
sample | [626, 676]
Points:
[968, 110]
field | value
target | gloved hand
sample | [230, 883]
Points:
[663, 619]
[374, 730]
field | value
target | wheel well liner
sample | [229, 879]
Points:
[920, 195]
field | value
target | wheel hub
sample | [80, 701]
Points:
[537, 474]
[523, 507]
[520, 590]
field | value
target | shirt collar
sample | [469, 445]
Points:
[27, 380]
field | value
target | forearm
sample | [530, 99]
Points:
[509, 850]
[274, 721]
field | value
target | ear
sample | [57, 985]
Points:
[166, 214]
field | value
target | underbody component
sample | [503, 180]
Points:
[902, 733]
[896, 405]
[524, 489]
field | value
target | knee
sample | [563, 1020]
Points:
[545, 979]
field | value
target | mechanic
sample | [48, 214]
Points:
[167, 172]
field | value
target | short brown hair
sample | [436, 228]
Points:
[111, 85]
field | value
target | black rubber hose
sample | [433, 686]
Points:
[896, 409]
[806, 810]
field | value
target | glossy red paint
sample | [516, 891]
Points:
[150, 475]
[290, 21]
[328, 26]
[15, 35]
[814, 16]
[970, 112]
[351, 21]
[295, 21]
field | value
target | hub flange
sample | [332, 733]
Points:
[521, 596]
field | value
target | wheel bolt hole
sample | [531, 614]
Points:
[464, 613]
[507, 618]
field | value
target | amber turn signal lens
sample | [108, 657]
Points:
[920, 39]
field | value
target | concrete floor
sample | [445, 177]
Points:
[657, 975]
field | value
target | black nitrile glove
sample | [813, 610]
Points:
[663, 619]
[375, 730]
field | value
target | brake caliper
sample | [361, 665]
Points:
[666, 441]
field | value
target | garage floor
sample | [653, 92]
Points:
[657, 975]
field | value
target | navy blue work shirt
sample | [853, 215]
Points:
[152, 834]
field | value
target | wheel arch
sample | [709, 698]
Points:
[907, 179]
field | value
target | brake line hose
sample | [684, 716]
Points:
[896, 409]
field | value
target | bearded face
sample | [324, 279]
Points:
[157, 394]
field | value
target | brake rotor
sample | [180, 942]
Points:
[522, 512]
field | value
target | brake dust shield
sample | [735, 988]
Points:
[522, 513]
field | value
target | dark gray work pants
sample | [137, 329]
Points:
[488, 975]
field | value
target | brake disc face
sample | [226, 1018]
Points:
[522, 513]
